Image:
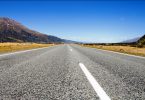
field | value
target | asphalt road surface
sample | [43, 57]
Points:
[71, 72]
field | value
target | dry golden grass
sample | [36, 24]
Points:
[122, 49]
[11, 47]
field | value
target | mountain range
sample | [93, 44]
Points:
[138, 40]
[13, 31]
[131, 40]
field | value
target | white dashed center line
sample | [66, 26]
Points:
[98, 89]
[70, 49]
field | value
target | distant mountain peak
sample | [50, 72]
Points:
[7, 20]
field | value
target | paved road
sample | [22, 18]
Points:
[58, 73]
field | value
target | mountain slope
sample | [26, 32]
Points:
[134, 40]
[12, 31]
[142, 40]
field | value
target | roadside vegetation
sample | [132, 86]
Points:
[12, 47]
[122, 48]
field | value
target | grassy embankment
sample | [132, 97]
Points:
[122, 49]
[12, 47]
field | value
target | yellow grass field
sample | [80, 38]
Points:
[11, 47]
[122, 49]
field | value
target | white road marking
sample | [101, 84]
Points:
[69, 48]
[98, 89]
[21, 51]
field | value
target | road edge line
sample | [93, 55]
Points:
[17, 52]
[118, 52]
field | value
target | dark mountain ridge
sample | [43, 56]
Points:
[12, 31]
[141, 41]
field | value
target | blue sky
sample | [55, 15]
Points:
[94, 21]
